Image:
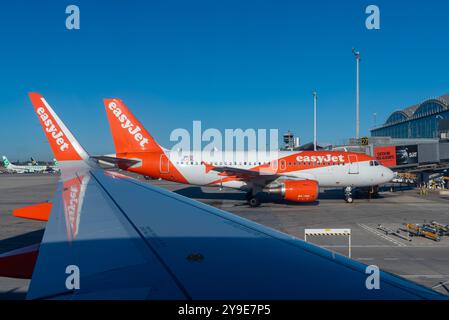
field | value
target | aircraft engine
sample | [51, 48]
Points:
[296, 190]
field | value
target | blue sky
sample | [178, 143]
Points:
[230, 64]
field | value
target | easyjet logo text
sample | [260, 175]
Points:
[320, 159]
[72, 205]
[127, 124]
[54, 131]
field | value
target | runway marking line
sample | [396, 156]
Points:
[381, 235]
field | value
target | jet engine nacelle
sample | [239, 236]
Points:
[296, 190]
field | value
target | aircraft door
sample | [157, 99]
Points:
[283, 164]
[164, 164]
[274, 165]
[353, 164]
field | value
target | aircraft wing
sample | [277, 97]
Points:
[243, 173]
[266, 174]
[130, 240]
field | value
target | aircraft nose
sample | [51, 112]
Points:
[387, 174]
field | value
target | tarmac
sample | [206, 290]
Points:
[421, 260]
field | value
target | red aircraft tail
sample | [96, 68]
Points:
[128, 133]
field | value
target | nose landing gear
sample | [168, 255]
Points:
[348, 195]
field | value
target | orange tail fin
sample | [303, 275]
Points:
[62, 142]
[127, 132]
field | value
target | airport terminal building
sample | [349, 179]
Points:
[424, 120]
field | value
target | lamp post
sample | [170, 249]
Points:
[357, 115]
[314, 119]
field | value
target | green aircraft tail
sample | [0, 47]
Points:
[5, 162]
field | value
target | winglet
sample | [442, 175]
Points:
[128, 133]
[62, 142]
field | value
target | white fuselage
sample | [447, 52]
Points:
[25, 169]
[329, 169]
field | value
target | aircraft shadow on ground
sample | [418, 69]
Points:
[20, 241]
[198, 193]
[13, 295]
[331, 194]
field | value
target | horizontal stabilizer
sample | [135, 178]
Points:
[40, 211]
[119, 162]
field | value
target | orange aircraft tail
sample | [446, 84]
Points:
[128, 133]
[62, 142]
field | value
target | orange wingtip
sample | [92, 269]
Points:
[40, 212]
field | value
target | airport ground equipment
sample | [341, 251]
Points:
[444, 193]
[330, 232]
[425, 231]
[443, 230]
[396, 233]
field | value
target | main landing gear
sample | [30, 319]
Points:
[348, 195]
[252, 199]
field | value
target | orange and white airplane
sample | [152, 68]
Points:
[294, 175]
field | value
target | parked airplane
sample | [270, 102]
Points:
[50, 168]
[34, 168]
[104, 241]
[296, 176]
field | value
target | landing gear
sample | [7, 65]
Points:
[375, 192]
[252, 199]
[348, 195]
[253, 202]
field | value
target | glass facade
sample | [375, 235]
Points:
[423, 123]
[398, 116]
[428, 109]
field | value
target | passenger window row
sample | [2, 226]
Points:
[195, 163]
